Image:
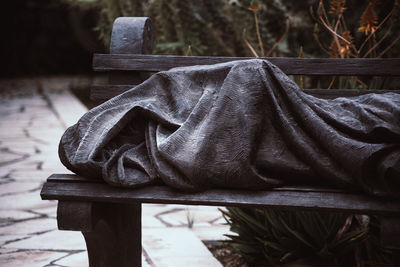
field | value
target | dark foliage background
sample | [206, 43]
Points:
[46, 37]
[60, 36]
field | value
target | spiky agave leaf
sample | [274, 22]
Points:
[295, 237]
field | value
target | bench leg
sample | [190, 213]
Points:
[112, 231]
[390, 232]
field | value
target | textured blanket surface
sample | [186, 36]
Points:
[242, 124]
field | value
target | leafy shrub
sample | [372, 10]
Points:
[268, 237]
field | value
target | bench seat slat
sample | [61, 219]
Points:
[73, 178]
[332, 201]
[305, 66]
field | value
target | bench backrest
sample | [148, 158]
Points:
[129, 63]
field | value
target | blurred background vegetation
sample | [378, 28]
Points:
[39, 37]
[60, 36]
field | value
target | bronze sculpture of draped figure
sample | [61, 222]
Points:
[241, 124]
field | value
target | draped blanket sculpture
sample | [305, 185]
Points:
[241, 124]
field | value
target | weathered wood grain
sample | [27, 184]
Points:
[131, 36]
[115, 239]
[112, 231]
[305, 66]
[73, 178]
[311, 200]
[105, 92]
[335, 93]
[75, 216]
[390, 232]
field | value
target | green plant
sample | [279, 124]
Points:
[189, 218]
[210, 27]
[267, 237]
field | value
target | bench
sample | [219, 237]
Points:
[110, 217]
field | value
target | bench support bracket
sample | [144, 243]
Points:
[112, 231]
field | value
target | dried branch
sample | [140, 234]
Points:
[254, 8]
[361, 82]
[333, 32]
[377, 28]
[280, 39]
[378, 43]
[335, 37]
[389, 47]
[338, 22]
[316, 37]
[322, 7]
[301, 78]
[332, 82]
[344, 228]
[253, 51]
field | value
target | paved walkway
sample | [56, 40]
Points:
[34, 114]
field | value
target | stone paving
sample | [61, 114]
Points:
[34, 114]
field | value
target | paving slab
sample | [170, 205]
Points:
[20, 147]
[53, 240]
[4, 172]
[7, 155]
[49, 212]
[79, 259]
[214, 233]
[7, 250]
[29, 164]
[26, 201]
[63, 101]
[16, 188]
[176, 247]
[29, 258]
[180, 215]
[5, 239]
[50, 136]
[35, 175]
[12, 215]
[29, 227]
[149, 212]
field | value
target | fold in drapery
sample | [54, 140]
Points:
[241, 124]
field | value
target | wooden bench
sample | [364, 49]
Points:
[110, 217]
